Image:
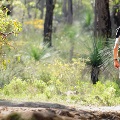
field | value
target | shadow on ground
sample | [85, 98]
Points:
[31, 104]
[51, 111]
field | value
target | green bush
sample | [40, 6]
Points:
[15, 87]
[84, 93]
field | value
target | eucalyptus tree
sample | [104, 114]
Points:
[50, 5]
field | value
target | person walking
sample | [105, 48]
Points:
[116, 48]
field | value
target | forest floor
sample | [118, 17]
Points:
[54, 111]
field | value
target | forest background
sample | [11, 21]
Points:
[59, 51]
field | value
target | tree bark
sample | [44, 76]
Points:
[42, 9]
[68, 11]
[102, 19]
[48, 22]
[102, 29]
[64, 9]
[94, 74]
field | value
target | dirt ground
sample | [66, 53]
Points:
[52, 111]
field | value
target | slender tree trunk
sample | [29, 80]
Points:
[70, 21]
[70, 12]
[42, 9]
[28, 12]
[64, 9]
[48, 22]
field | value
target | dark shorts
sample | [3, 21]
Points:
[118, 32]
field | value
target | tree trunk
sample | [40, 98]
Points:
[102, 19]
[42, 9]
[64, 9]
[94, 74]
[68, 11]
[28, 12]
[102, 29]
[48, 22]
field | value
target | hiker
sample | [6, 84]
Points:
[116, 47]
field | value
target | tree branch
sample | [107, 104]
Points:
[6, 34]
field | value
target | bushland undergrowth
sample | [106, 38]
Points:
[30, 71]
[51, 77]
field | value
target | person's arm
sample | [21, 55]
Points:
[115, 53]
